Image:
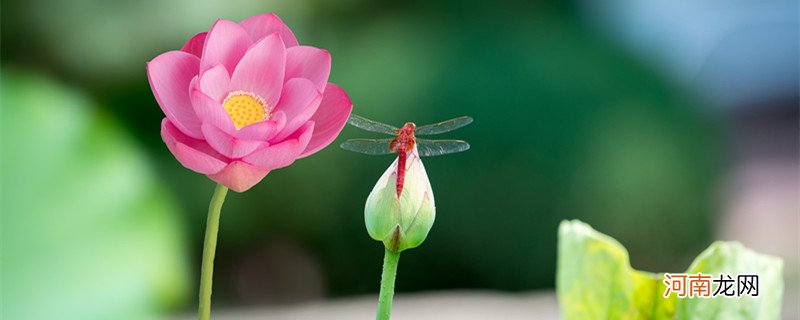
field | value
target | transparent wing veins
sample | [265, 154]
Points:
[368, 146]
[371, 125]
[444, 126]
[432, 148]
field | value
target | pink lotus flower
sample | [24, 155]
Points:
[243, 99]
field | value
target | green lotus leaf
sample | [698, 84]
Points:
[596, 281]
[734, 259]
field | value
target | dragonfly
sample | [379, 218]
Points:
[404, 140]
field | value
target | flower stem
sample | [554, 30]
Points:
[390, 261]
[209, 248]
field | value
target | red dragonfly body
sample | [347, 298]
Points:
[405, 141]
[403, 144]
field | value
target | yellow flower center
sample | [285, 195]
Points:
[245, 108]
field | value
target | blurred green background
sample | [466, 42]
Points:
[569, 123]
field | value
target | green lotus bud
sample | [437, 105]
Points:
[401, 222]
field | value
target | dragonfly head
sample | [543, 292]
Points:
[410, 126]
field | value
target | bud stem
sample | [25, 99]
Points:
[209, 249]
[390, 261]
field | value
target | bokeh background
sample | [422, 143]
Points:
[665, 124]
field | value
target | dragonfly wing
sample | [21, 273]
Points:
[371, 125]
[444, 126]
[432, 148]
[368, 146]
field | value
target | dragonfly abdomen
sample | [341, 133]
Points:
[401, 171]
